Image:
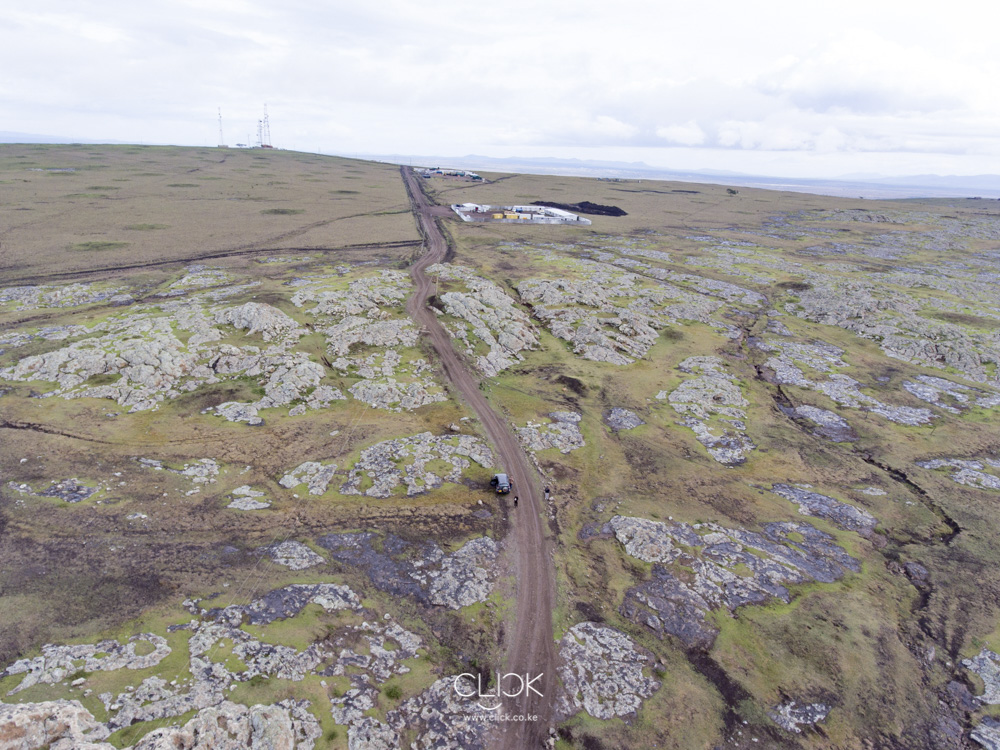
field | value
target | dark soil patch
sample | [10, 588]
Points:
[584, 207]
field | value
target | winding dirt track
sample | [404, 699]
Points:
[530, 647]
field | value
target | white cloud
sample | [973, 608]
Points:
[439, 77]
[688, 134]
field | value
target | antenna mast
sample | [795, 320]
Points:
[222, 141]
[266, 131]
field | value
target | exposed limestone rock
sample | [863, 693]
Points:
[393, 396]
[245, 498]
[70, 295]
[231, 726]
[612, 316]
[367, 733]
[979, 473]
[294, 555]
[442, 718]
[713, 406]
[987, 733]
[845, 391]
[814, 504]
[825, 358]
[490, 315]
[404, 461]
[622, 419]
[792, 716]
[602, 672]
[363, 296]
[258, 318]
[313, 474]
[706, 566]
[422, 572]
[878, 312]
[162, 351]
[56, 662]
[561, 433]
[465, 577]
[58, 725]
[986, 664]
[828, 424]
[952, 397]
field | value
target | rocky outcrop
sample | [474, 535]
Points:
[987, 733]
[562, 433]
[489, 315]
[314, 475]
[294, 555]
[56, 662]
[704, 567]
[231, 726]
[404, 461]
[951, 397]
[713, 408]
[986, 664]
[423, 572]
[826, 359]
[247, 498]
[258, 318]
[981, 473]
[57, 725]
[602, 672]
[792, 716]
[814, 504]
[622, 419]
[829, 425]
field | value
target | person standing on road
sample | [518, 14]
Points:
[546, 493]
[515, 501]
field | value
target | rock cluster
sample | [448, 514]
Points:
[57, 725]
[162, 350]
[792, 716]
[622, 419]
[69, 295]
[423, 572]
[878, 312]
[294, 555]
[613, 316]
[490, 315]
[247, 498]
[56, 662]
[713, 407]
[404, 461]
[314, 475]
[700, 568]
[562, 433]
[201, 472]
[814, 504]
[951, 397]
[232, 726]
[602, 672]
[826, 358]
[986, 664]
[987, 733]
[979, 473]
[828, 424]
[368, 315]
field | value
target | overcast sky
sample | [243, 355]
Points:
[789, 89]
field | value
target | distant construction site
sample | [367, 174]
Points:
[516, 214]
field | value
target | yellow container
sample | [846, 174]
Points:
[497, 216]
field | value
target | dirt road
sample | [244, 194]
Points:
[530, 647]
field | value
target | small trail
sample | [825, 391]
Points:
[531, 647]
